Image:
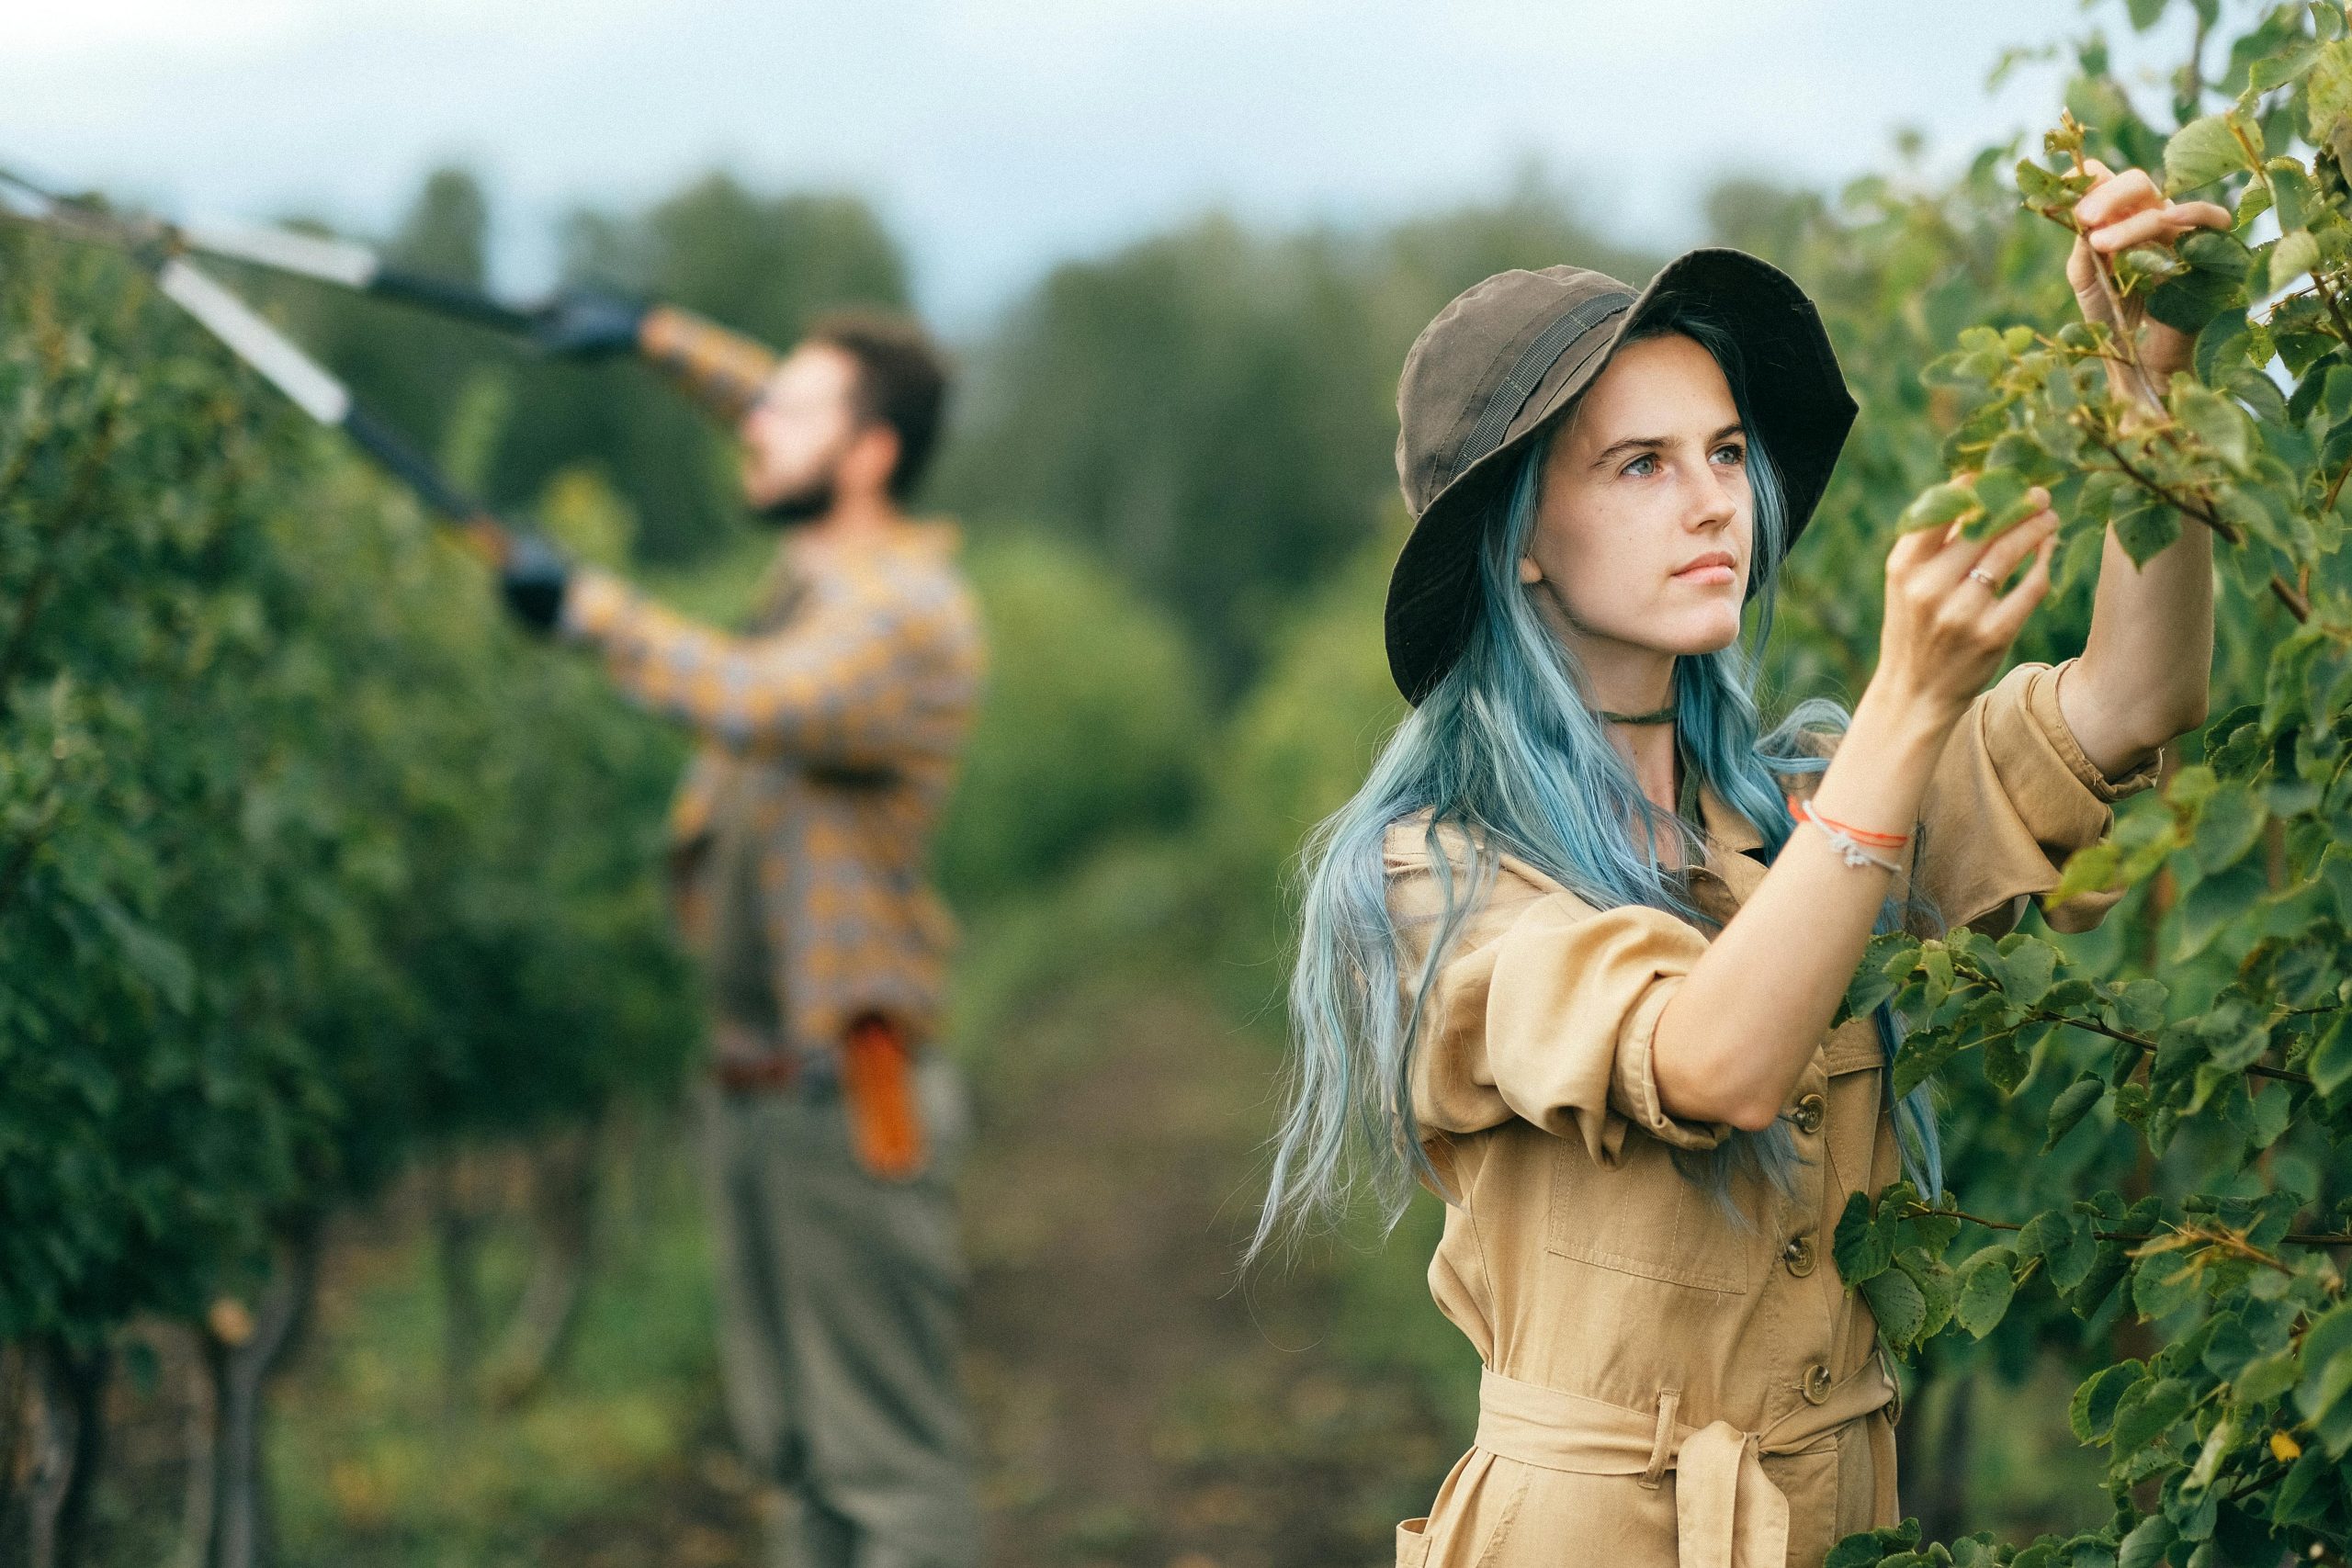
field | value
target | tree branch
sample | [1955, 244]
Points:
[2225, 1239]
[2201, 511]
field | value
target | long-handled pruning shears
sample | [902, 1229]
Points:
[567, 323]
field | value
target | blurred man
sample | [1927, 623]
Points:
[829, 731]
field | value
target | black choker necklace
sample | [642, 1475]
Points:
[1661, 715]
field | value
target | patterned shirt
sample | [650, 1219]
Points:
[831, 737]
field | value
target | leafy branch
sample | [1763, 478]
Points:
[2034, 1014]
[2208, 1236]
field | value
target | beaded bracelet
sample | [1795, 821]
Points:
[1853, 844]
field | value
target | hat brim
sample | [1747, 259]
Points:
[1795, 394]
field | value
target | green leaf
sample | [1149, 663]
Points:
[2146, 527]
[2217, 421]
[2146, 1545]
[2187, 301]
[2227, 828]
[2164, 1284]
[2330, 1063]
[2068, 1243]
[2274, 70]
[2073, 1102]
[2295, 254]
[2025, 967]
[2092, 1411]
[2267, 1377]
[1898, 1304]
[2211, 905]
[1988, 1281]
[2210, 250]
[2088, 870]
[2291, 194]
[2148, 1411]
[1861, 1249]
[2005, 1063]
[1938, 506]
[2201, 151]
[2327, 1378]
[2325, 1399]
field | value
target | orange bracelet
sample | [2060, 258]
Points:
[1851, 850]
[1803, 809]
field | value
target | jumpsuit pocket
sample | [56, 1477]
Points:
[1642, 1216]
[1413, 1544]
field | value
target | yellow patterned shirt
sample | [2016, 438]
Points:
[835, 732]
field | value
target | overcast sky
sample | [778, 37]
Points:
[997, 136]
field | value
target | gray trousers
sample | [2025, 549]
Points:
[841, 1323]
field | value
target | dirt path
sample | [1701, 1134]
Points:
[1139, 1408]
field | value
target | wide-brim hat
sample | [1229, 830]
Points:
[1508, 358]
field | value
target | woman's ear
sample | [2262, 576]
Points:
[1530, 574]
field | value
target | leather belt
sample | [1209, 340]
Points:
[757, 1075]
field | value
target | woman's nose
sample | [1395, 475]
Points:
[1713, 502]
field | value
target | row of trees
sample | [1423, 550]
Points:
[307, 865]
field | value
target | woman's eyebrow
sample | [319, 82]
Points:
[1633, 444]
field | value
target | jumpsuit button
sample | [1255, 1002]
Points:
[1798, 1256]
[1809, 1111]
[1816, 1384]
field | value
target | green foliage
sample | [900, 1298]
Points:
[2147, 1127]
[305, 860]
[1094, 728]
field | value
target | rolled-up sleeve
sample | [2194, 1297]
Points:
[2013, 795]
[844, 685]
[1572, 1007]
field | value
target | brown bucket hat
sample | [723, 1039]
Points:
[1503, 361]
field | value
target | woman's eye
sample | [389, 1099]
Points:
[1734, 457]
[1642, 467]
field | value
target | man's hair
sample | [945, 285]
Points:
[901, 383]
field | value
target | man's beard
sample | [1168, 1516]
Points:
[806, 504]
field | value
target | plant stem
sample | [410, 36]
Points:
[2295, 1238]
[2287, 595]
[2202, 511]
[2095, 1026]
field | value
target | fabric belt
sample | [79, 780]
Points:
[1728, 1511]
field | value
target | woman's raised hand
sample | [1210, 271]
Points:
[2121, 210]
[1951, 612]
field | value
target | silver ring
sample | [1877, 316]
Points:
[1986, 577]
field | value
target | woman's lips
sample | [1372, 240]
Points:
[1705, 573]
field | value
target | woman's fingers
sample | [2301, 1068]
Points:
[2003, 553]
[2118, 196]
[2010, 611]
[2201, 215]
[2155, 225]
[1944, 564]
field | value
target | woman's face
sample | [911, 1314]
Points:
[1644, 525]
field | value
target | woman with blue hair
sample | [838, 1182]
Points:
[1571, 957]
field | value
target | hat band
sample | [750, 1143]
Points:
[1502, 405]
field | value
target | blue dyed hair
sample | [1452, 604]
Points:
[1507, 749]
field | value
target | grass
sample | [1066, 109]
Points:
[378, 1467]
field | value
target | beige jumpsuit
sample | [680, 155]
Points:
[1661, 1386]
